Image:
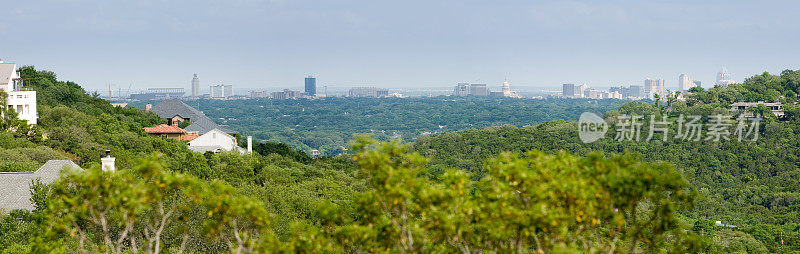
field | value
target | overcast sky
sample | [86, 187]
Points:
[392, 44]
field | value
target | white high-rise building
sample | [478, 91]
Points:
[21, 99]
[195, 86]
[221, 91]
[724, 77]
[685, 83]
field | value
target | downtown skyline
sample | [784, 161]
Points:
[274, 44]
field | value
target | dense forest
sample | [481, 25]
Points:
[329, 124]
[498, 189]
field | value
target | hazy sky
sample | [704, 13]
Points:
[274, 44]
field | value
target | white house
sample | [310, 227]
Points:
[215, 140]
[20, 98]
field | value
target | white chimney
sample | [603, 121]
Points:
[250, 144]
[108, 162]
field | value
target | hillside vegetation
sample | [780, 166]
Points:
[329, 124]
[498, 190]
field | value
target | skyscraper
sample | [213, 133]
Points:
[568, 90]
[311, 86]
[221, 91]
[724, 77]
[685, 83]
[652, 86]
[195, 86]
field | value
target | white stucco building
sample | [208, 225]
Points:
[215, 141]
[20, 98]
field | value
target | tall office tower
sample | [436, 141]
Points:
[221, 91]
[652, 86]
[462, 89]
[685, 83]
[636, 92]
[568, 90]
[228, 90]
[478, 90]
[311, 86]
[195, 86]
[724, 77]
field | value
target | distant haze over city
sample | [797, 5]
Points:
[271, 45]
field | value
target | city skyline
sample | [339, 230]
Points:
[270, 44]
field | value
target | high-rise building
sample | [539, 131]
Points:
[568, 90]
[462, 89]
[685, 83]
[195, 86]
[221, 91]
[311, 86]
[636, 92]
[478, 90]
[287, 94]
[724, 77]
[653, 86]
[624, 92]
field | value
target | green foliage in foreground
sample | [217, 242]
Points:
[544, 203]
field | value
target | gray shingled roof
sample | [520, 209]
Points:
[205, 124]
[15, 186]
[171, 108]
[200, 123]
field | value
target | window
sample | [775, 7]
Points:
[19, 108]
[27, 109]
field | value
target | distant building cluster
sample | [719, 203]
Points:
[368, 92]
[159, 94]
[468, 89]
[288, 94]
[584, 91]
[636, 92]
[646, 90]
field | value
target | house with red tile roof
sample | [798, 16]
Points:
[168, 131]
